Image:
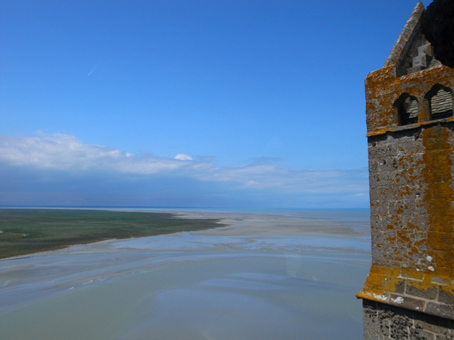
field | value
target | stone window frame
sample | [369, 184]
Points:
[432, 93]
[401, 112]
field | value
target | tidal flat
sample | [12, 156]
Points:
[259, 275]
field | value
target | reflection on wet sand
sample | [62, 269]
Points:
[261, 277]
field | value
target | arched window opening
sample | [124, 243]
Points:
[407, 108]
[440, 100]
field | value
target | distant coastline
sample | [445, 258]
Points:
[27, 230]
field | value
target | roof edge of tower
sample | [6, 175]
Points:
[405, 39]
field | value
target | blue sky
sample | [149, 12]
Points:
[211, 103]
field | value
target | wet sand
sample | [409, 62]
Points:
[261, 277]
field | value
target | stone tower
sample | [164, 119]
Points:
[409, 292]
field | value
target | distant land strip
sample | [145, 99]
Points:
[27, 231]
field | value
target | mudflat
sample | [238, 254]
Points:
[263, 276]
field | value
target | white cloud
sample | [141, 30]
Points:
[68, 154]
[183, 157]
[65, 152]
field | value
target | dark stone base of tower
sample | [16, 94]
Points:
[409, 292]
[386, 322]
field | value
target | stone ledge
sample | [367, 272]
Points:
[414, 304]
[410, 291]
[437, 309]
[386, 130]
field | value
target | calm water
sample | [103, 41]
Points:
[239, 282]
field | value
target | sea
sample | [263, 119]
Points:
[263, 274]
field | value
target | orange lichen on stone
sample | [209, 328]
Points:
[438, 197]
[383, 282]
[383, 88]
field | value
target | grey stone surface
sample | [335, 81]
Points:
[444, 296]
[382, 321]
[421, 334]
[408, 302]
[400, 287]
[440, 309]
[430, 294]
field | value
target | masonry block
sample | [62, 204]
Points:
[446, 311]
[429, 294]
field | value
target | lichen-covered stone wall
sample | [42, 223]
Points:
[411, 194]
[383, 89]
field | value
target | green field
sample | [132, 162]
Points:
[25, 231]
